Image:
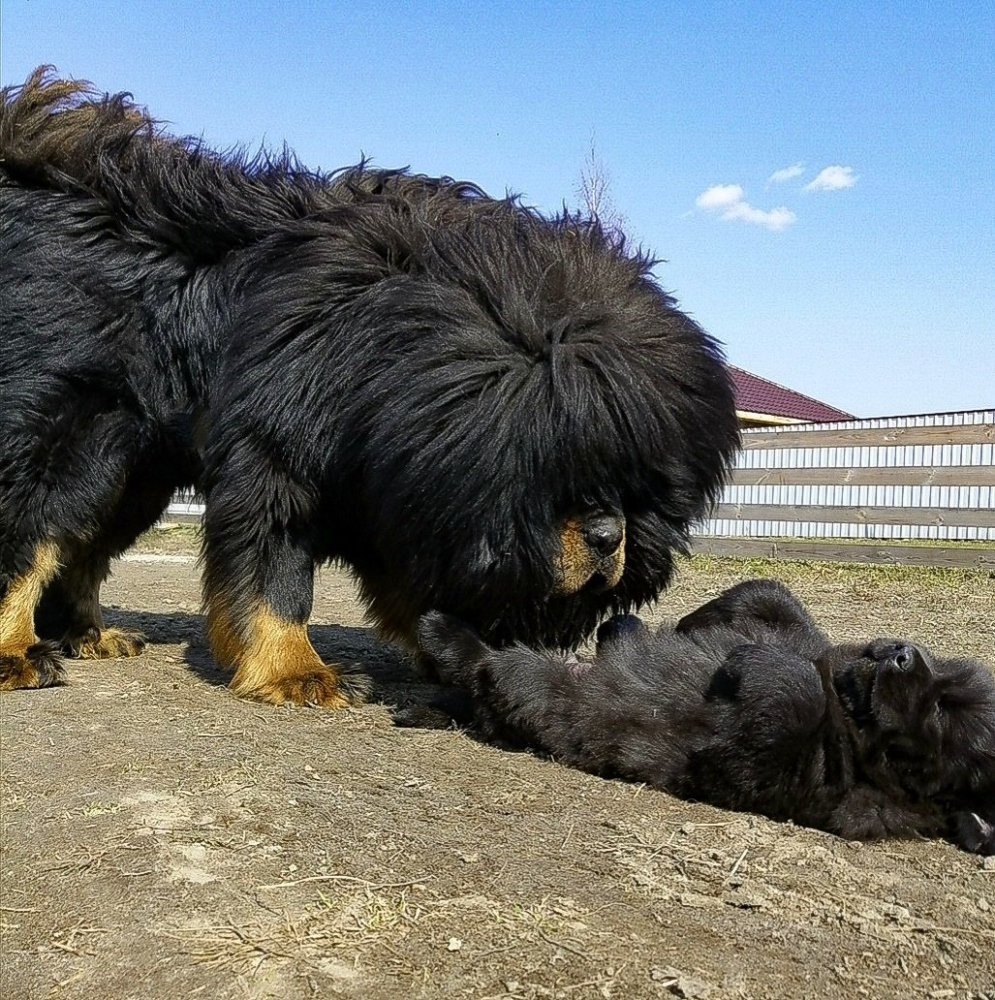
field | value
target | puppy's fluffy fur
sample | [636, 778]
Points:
[747, 705]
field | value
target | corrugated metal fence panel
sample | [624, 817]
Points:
[762, 452]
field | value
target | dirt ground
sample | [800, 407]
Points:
[163, 839]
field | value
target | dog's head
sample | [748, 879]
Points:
[539, 433]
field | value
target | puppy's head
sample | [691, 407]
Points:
[935, 717]
[621, 630]
[902, 688]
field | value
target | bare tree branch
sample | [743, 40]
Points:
[593, 191]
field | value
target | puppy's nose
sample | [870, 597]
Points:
[603, 534]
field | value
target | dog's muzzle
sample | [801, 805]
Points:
[592, 553]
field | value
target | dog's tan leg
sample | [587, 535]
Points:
[274, 660]
[70, 613]
[24, 661]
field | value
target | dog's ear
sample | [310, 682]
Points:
[453, 648]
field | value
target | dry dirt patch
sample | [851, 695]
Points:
[161, 838]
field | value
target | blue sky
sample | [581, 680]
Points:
[873, 290]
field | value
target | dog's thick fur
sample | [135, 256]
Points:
[474, 407]
[746, 705]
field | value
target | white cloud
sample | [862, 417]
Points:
[774, 219]
[786, 174]
[729, 201]
[720, 196]
[833, 178]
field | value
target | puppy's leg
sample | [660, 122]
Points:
[24, 573]
[752, 603]
[452, 648]
[450, 707]
[519, 696]
[868, 813]
[69, 612]
[258, 589]
[838, 736]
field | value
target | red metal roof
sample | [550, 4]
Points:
[759, 395]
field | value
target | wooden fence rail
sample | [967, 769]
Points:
[799, 491]
[952, 556]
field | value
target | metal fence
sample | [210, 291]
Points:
[921, 478]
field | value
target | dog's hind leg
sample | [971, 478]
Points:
[25, 662]
[80, 477]
[70, 615]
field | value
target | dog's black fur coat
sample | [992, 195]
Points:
[392, 371]
[746, 705]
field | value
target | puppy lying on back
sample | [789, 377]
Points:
[746, 705]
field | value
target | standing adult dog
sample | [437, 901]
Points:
[474, 407]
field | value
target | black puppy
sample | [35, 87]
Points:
[747, 705]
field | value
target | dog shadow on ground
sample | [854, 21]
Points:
[395, 677]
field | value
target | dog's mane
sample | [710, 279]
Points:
[65, 135]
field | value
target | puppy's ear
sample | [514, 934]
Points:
[453, 648]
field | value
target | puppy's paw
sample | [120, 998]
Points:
[447, 710]
[974, 834]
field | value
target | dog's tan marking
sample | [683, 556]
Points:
[86, 638]
[17, 607]
[276, 663]
[39, 666]
[616, 563]
[24, 662]
[578, 562]
[223, 635]
[107, 644]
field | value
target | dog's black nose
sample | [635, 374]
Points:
[603, 534]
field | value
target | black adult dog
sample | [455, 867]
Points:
[746, 705]
[474, 407]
